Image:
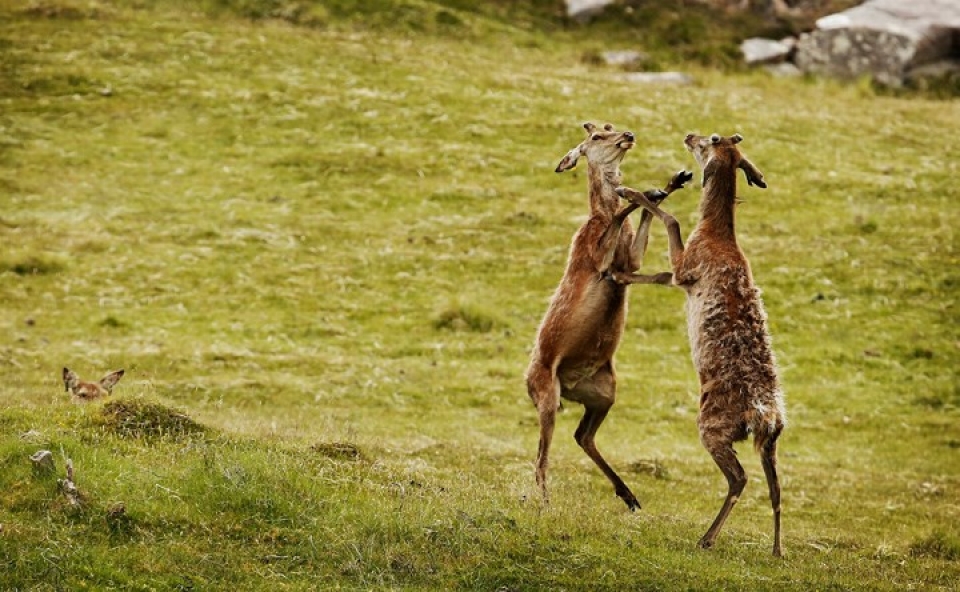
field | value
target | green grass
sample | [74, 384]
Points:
[320, 243]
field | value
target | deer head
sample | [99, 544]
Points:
[714, 151]
[603, 147]
[90, 390]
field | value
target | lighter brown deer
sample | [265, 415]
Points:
[573, 354]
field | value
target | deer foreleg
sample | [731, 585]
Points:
[655, 196]
[644, 200]
[607, 245]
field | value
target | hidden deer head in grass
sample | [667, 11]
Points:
[87, 391]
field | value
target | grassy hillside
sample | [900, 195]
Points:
[320, 246]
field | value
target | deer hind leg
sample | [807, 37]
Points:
[544, 389]
[768, 458]
[720, 446]
[597, 395]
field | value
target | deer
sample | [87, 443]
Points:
[88, 391]
[740, 392]
[572, 357]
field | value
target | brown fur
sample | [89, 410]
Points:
[727, 326]
[87, 391]
[573, 354]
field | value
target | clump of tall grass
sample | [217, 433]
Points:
[463, 316]
[938, 545]
[32, 264]
[131, 418]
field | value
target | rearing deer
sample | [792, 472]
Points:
[727, 325]
[580, 332]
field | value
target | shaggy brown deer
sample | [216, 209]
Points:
[573, 354]
[87, 391]
[727, 325]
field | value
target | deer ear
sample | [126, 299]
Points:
[569, 160]
[736, 138]
[608, 127]
[753, 174]
[715, 139]
[589, 127]
[111, 379]
[70, 379]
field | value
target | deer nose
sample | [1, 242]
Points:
[628, 136]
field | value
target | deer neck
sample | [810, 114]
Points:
[718, 202]
[603, 181]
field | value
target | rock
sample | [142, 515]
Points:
[943, 76]
[583, 10]
[941, 69]
[764, 51]
[881, 38]
[42, 462]
[790, 43]
[783, 70]
[658, 78]
[625, 59]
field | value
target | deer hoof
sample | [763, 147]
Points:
[631, 502]
[682, 178]
[657, 195]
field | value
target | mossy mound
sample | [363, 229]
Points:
[338, 450]
[141, 419]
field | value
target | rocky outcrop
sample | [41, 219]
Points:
[583, 10]
[884, 39]
[658, 78]
[766, 51]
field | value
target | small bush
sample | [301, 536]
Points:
[32, 265]
[653, 467]
[139, 419]
[338, 450]
[938, 545]
[465, 317]
[62, 10]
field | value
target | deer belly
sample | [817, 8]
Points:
[695, 321]
[731, 348]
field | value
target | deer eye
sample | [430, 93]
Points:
[597, 138]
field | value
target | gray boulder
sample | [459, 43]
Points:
[884, 39]
[764, 51]
[672, 78]
[583, 10]
[627, 58]
[783, 70]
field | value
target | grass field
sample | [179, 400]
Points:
[320, 246]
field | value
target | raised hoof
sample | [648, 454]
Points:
[631, 502]
[679, 180]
